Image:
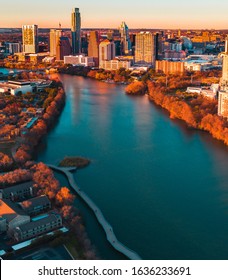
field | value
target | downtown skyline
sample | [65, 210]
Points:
[99, 14]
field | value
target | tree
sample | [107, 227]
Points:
[136, 88]
[64, 197]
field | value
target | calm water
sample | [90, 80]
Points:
[162, 186]
[6, 71]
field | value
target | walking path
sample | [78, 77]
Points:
[99, 215]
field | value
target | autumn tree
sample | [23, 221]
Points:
[64, 197]
[136, 88]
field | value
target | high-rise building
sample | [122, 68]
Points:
[125, 39]
[93, 49]
[30, 38]
[84, 43]
[158, 44]
[55, 35]
[224, 79]
[145, 49]
[76, 31]
[223, 104]
[12, 48]
[223, 94]
[179, 33]
[106, 50]
[63, 48]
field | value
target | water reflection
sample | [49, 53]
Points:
[159, 183]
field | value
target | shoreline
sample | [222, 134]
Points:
[208, 122]
[147, 92]
[110, 236]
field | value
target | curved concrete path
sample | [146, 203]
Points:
[99, 215]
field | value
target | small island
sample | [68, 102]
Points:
[78, 162]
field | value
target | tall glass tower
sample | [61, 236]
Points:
[76, 31]
[125, 39]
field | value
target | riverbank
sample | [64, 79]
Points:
[26, 118]
[196, 111]
[21, 151]
[120, 76]
[147, 172]
[97, 212]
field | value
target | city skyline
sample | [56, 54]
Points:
[99, 14]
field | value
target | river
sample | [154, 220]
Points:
[161, 186]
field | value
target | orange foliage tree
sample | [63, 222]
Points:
[136, 88]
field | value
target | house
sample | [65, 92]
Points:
[36, 205]
[48, 223]
[11, 216]
[18, 192]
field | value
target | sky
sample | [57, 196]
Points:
[164, 14]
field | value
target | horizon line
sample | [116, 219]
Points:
[219, 29]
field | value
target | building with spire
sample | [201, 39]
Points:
[76, 31]
[125, 39]
[223, 93]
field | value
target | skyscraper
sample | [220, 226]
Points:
[76, 31]
[224, 79]
[125, 39]
[55, 35]
[107, 50]
[63, 48]
[30, 38]
[93, 49]
[145, 49]
[158, 43]
[223, 94]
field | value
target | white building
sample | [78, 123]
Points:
[223, 104]
[48, 59]
[79, 60]
[224, 79]
[209, 92]
[201, 62]
[194, 90]
[198, 66]
[107, 50]
[16, 87]
[223, 94]
[115, 64]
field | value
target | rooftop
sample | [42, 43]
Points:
[10, 210]
[34, 202]
[19, 187]
[51, 217]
